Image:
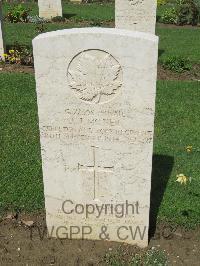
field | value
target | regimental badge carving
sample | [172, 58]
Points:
[95, 76]
[135, 2]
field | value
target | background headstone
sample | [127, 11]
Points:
[138, 15]
[50, 8]
[96, 115]
[1, 33]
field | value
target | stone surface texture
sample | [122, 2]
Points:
[50, 8]
[96, 104]
[138, 15]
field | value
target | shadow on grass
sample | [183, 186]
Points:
[160, 52]
[158, 17]
[68, 16]
[162, 167]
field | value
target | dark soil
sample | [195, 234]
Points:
[163, 74]
[16, 68]
[18, 246]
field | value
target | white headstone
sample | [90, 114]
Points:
[50, 8]
[1, 34]
[138, 15]
[96, 97]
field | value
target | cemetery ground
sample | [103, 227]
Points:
[175, 207]
[174, 40]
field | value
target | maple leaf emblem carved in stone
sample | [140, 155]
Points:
[95, 76]
[135, 2]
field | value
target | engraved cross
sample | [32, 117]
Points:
[96, 169]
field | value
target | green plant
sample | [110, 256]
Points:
[151, 257]
[19, 55]
[184, 12]
[95, 23]
[169, 16]
[58, 19]
[12, 57]
[40, 28]
[187, 12]
[177, 64]
[18, 14]
[26, 56]
[161, 2]
[37, 20]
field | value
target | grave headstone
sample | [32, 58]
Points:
[50, 8]
[1, 33]
[96, 115]
[138, 15]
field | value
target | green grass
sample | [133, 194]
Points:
[24, 33]
[179, 42]
[177, 126]
[20, 166]
[173, 42]
[93, 11]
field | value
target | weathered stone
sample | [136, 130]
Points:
[96, 97]
[138, 15]
[50, 8]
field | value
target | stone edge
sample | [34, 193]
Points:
[93, 30]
